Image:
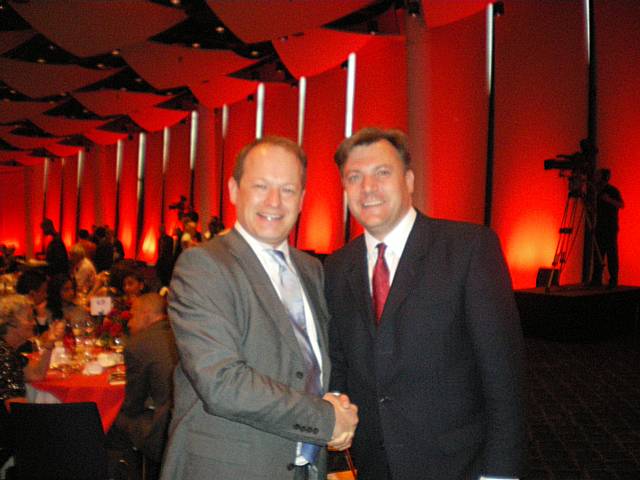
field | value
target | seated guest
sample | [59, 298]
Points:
[16, 327]
[150, 358]
[82, 269]
[61, 297]
[104, 250]
[132, 285]
[33, 284]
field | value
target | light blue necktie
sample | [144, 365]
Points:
[291, 293]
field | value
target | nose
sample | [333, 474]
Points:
[273, 197]
[369, 183]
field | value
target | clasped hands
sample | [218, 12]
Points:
[346, 420]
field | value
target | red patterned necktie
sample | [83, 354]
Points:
[380, 282]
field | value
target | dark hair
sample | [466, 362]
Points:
[54, 300]
[83, 233]
[282, 142]
[369, 135]
[605, 174]
[30, 281]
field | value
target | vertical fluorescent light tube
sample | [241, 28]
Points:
[166, 146]
[489, 57]
[225, 120]
[119, 155]
[587, 30]
[81, 157]
[259, 110]
[351, 90]
[348, 121]
[142, 152]
[45, 177]
[302, 99]
[194, 139]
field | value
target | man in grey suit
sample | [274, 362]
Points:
[425, 336]
[251, 329]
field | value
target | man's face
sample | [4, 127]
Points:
[269, 196]
[132, 286]
[378, 187]
[40, 295]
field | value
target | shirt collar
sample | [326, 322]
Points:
[396, 238]
[260, 247]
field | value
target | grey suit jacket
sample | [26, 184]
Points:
[239, 405]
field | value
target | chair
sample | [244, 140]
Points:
[55, 441]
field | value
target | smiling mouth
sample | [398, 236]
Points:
[270, 218]
[372, 203]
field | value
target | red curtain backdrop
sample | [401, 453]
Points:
[88, 190]
[177, 175]
[53, 192]
[241, 130]
[147, 249]
[541, 110]
[105, 185]
[320, 225]
[128, 200]
[12, 232]
[619, 119]
[458, 105]
[69, 199]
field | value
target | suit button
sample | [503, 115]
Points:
[291, 466]
[299, 375]
[384, 400]
[315, 430]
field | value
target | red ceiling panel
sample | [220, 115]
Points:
[62, 126]
[258, 20]
[14, 111]
[220, 90]
[92, 27]
[115, 102]
[168, 66]
[41, 80]
[154, 119]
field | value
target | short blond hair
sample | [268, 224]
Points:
[10, 307]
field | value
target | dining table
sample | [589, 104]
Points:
[106, 389]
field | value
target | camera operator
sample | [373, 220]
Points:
[609, 201]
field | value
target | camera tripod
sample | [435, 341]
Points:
[577, 207]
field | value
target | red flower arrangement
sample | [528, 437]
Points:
[114, 325]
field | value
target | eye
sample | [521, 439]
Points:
[289, 190]
[383, 172]
[353, 178]
[260, 186]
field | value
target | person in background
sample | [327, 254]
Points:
[16, 328]
[56, 254]
[425, 336]
[250, 322]
[104, 250]
[84, 240]
[164, 264]
[61, 301]
[150, 357]
[214, 228]
[133, 285]
[609, 202]
[82, 269]
[118, 248]
[33, 284]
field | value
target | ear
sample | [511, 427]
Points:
[233, 190]
[409, 178]
[301, 200]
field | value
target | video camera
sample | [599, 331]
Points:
[180, 205]
[578, 163]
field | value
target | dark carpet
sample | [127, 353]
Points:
[583, 414]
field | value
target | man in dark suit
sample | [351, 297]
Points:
[150, 358]
[425, 335]
[250, 320]
[56, 255]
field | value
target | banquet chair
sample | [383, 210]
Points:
[56, 441]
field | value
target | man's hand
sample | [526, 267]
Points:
[346, 421]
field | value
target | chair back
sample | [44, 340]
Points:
[55, 441]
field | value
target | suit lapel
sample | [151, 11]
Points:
[407, 271]
[262, 287]
[359, 282]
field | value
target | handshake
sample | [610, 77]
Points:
[346, 420]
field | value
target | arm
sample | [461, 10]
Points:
[494, 326]
[213, 326]
[37, 369]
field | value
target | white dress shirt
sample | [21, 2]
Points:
[395, 241]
